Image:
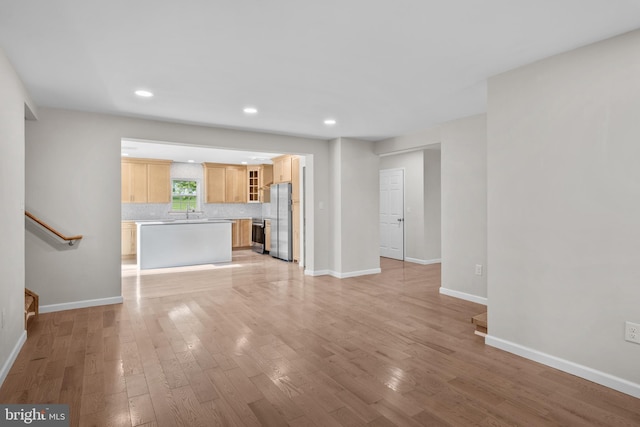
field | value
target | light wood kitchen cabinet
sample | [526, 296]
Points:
[295, 179]
[259, 179]
[267, 175]
[145, 181]
[134, 182]
[129, 240]
[241, 233]
[295, 228]
[282, 169]
[246, 225]
[159, 183]
[225, 183]
[253, 183]
[236, 184]
[267, 235]
[214, 179]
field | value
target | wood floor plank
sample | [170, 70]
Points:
[284, 405]
[260, 343]
[141, 410]
[266, 414]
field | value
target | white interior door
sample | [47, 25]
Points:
[392, 213]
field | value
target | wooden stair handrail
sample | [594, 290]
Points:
[70, 239]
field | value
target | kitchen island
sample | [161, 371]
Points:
[183, 242]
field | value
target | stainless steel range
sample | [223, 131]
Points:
[257, 235]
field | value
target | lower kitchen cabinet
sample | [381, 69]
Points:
[241, 233]
[295, 235]
[129, 239]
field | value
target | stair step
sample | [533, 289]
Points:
[31, 306]
[480, 321]
[28, 300]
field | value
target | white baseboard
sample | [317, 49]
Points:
[423, 261]
[356, 273]
[342, 275]
[12, 357]
[316, 272]
[80, 304]
[464, 296]
[581, 371]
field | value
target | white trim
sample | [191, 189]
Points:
[80, 304]
[342, 275]
[464, 296]
[355, 273]
[423, 261]
[12, 357]
[316, 272]
[410, 150]
[598, 377]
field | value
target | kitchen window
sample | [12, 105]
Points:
[184, 195]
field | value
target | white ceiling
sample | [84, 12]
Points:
[380, 68]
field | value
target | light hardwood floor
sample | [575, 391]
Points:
[258, 343]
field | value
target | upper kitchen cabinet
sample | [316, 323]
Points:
[259, 178]
[145, 181]
[282, 169]
[225, 183]
[214, 179]
[236, 184]
[253, 181]
[159, 182]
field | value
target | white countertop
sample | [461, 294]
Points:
[183, 221]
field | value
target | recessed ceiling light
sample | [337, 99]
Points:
[191, 161]
[144, 93]
[250, 110]
[330, 122]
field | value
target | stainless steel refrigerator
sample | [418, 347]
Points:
[281, 231]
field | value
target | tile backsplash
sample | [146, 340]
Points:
[135, 211]
[154, 211]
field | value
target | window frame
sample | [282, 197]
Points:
[197, 205]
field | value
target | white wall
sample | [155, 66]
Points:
[413, 165]
[423, 139]
[564, 208]
[73, 182]
[12, 265]
[335, 205]
[432, 205]
[464, 207]
[353, 178]
[360, 208]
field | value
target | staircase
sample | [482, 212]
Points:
[31, 305]
[480, 321]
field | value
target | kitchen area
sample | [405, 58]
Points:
[179, 211]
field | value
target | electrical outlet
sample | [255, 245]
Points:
[478, 269]
[632, 332]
